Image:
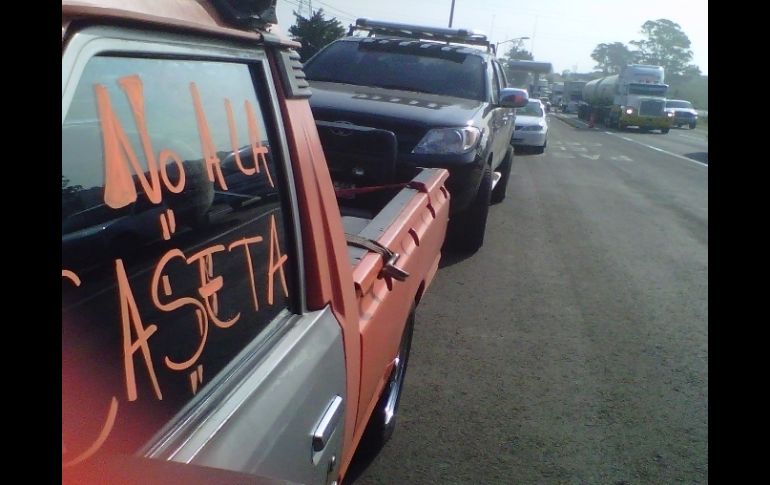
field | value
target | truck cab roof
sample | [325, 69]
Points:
[202, 16]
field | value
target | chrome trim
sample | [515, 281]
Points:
[328, 423]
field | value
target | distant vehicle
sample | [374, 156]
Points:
[684, 113]
[571, 107]
[531, 127]
[546, 103]
[557, 93]
[635, 97]
[573, 93]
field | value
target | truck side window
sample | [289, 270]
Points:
[176, 252]
[501, 75]
[495, 83]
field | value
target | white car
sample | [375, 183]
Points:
[531, 129]
[684, 114]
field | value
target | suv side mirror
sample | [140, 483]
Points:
[513, 98]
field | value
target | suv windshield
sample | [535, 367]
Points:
[394, 66]
[531, 109]
[678, 104]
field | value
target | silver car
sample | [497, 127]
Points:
[531, 128]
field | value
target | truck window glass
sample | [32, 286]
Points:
[394, 67]
[175, 252]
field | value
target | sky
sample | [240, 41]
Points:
[562, 32]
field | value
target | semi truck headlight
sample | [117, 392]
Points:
[448, 140]
[669, 114]
[629, 111]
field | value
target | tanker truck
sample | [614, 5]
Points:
[635, 97]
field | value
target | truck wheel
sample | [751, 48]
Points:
[692, 126]
[498, 194]
[381, 425]
[541, 149]
[469, 226]
[664, 130]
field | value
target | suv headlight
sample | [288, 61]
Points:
[448, 140]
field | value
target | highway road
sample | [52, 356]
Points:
[573, 347]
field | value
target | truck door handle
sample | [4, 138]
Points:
[328, 423]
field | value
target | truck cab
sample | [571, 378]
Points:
[227, 316]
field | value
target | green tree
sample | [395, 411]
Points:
[666, 45]
[516, 53]
[315, 32]
[612, 58]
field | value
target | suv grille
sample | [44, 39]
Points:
[408, 135]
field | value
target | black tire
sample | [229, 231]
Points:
[382, 423]
[692, 126]
[664, 130]
[498, 194]
[542, 148]
[468, 227]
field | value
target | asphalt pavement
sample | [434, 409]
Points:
[573, 347]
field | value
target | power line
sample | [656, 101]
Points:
[300, 9]
[335, 8]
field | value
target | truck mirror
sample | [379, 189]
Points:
[513, 98]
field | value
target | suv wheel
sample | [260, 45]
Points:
[498, 194]
[469, 226]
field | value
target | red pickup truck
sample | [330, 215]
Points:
[225, 309]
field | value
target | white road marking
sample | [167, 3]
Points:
[666, 152]
[562, 155]
[692, 138]
[655, 148]
[592, 157]
[579, 149]
[621, 158]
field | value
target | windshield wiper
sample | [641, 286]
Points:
[401, 88]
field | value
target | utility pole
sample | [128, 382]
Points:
[451, 14]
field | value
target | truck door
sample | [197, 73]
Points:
[502, 118]
[184, 330]
[508, 112]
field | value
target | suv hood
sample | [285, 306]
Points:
[423, 108]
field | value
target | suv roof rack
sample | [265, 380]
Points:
[459, 36]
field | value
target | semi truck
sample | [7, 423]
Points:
[635, 97]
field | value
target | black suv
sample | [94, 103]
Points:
[447, 106]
